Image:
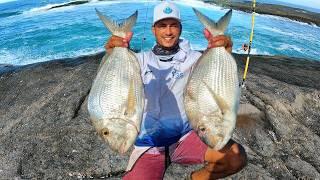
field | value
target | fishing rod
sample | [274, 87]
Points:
[250, 43]
[144, 27]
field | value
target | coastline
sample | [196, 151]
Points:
[296, 14]
[45, 131]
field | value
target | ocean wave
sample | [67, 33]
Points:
[106, 2]
[279, 31]
[280, 18]
[289, 47]
[293, 34]
[5, 1]
[198, 47]
[6, 57]
[7, 14]
[254, 51]
[198, 4]
[44, 8]
[24, 57]
[70, 5]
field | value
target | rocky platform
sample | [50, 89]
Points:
[45, 132]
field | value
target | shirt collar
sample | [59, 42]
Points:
[180, 56]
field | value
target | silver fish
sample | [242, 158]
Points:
[116, 99]
[212, 93]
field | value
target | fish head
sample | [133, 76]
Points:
[216, 130]
[119, 133]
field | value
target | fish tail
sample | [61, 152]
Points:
[116, 28]
[215, 28]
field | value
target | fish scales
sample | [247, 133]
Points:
[113, 82]
[212, 93]
[116, 99]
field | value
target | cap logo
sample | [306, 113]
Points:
[167, 10]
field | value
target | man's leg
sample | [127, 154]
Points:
[148, 166]
[227, 161]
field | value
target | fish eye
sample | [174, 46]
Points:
[202, 129]
[105, 132]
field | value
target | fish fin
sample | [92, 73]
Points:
[224, 21]
[132, 101]
[224, 107]
[127, 25]
[215, 28]
[111, 25]
[114, 27]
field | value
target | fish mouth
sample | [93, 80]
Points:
[214, 141]
[121, 136]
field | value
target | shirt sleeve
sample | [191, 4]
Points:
[142, 59]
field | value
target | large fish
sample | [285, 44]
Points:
[116, 99]
[212, 93]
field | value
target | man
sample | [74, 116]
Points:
[166, 136]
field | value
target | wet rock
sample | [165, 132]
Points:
[45, 132]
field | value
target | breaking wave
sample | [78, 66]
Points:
[289, 47]
[5, 1]
[7, 14]
[24, 57]
[280, 18]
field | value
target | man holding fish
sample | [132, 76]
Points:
[168, 132]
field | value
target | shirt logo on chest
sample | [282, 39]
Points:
[176, 74]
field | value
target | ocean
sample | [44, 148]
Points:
[31, 32]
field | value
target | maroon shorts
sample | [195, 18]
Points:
[151, 164]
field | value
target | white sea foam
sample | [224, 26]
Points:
[197, 47]
[259, 51]
[289, 47]
[278, 31]
[279, 18]
[94, 3]
[46, 9]
[253, 51]
[49, 7]
[24, 57]
[6, 57]
[5, 1]
[292, 33]
[198, 4]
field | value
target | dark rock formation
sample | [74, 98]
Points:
[72, 3]
[45, 132]
[272, 9]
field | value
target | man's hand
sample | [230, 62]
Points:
[116, 41]
[218, 41]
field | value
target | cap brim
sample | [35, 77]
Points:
[179, 20]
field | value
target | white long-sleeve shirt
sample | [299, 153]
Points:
[164, 120]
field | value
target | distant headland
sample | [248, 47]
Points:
[246, 6]
[272, 9]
